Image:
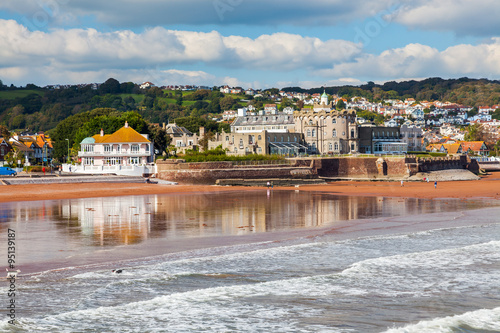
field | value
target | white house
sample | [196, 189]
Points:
[146, 85]
[122, 148]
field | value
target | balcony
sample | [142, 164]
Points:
[114, 153]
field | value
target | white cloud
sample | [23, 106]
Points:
[91, 50]
[465, 17]
[417, 60]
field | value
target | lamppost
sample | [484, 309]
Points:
[68, 151]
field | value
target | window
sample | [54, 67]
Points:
[107, 148]
[343, 133]
[314, 133]
[260, 137]
[147, 148]
[227, 138]
[310, 122]
[134, 149]
[330, 146]
[352, 146]
[134, 160]
[352, 133]
[86, 148]
[241, 143]
[334, 133]
[308, 132]
[334, 120]
[336, 146]
[118, 148]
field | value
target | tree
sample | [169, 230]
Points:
[496, 114]
[475, 132]
[13, 156]
[300, 104]
[227, 103]
[111, 86]
[205, 139]
[159, 136]
[285, 102]
[4, 132]
[340, 105]
[472, 112]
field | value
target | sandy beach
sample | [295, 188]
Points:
[487, 187]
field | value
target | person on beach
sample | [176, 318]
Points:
[402, 183]
[435, 184]
[43, 169]
[268, 184]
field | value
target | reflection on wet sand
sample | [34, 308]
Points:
[131, 220]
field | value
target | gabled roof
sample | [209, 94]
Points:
[173, 129]
[453, 148]
[473, 145]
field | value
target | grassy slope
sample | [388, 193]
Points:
[18, 93]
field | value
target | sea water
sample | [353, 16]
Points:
[374, 265]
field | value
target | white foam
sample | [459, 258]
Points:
[483, 319]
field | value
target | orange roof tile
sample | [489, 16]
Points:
[453, 148]
[123, 135]
[472, 145]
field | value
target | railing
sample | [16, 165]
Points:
[129, 170]
[113, 153]
[264, 162]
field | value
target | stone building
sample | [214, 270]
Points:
[182, 138]
[274, 122]
[263, 142]
[328, 132]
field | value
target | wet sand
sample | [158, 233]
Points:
[486, 187]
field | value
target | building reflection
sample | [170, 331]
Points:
[134, 219]
[108, 221]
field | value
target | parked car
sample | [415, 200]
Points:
[6, 171]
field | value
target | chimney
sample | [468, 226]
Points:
[102, 132]
[202, 131]
[126, 124]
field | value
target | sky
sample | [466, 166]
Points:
[248, 43]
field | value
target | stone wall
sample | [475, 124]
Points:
[367, 167]
[309, 168]
[209, 172]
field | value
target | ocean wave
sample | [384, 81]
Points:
[484, 320]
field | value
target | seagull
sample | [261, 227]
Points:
[117, 271]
